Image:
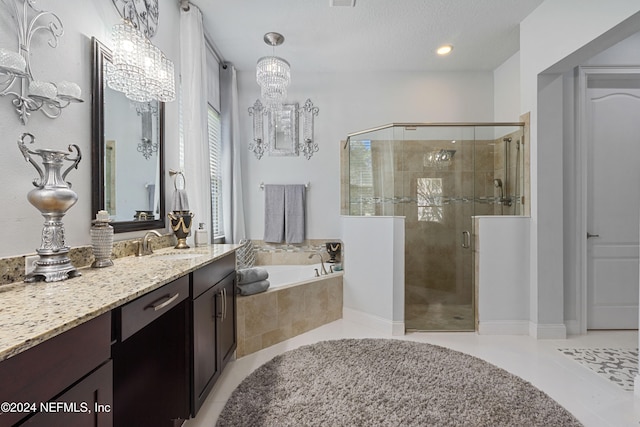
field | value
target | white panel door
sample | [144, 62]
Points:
[613, 207]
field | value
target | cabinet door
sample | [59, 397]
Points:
[205, 357]
[87, 404]
[151, 372]
[227, 322]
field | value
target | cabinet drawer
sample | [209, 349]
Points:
[42, 372]
[209, 275]
[144, 310]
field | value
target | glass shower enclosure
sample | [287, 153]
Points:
[437, 176]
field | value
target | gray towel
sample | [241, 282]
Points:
[294, 213]
[180, 201]
[253, 288]
[250, 275]
[274, 213]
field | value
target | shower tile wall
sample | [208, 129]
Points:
[438, 270]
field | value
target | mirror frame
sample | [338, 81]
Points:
[291, 146]
[101, 53]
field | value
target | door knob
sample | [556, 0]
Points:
[589, 235]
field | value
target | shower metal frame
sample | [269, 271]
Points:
[435, 124]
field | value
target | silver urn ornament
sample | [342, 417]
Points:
[53, 197]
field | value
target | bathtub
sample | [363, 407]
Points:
[295, 302]
[281, 276]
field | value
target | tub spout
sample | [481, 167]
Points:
[324, 270]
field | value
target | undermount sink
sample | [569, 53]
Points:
[177, 256]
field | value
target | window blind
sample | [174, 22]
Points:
[215, 168]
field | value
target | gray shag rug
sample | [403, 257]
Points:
[386, 382]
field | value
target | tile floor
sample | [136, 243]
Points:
[594, 400]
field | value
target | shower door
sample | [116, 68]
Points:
[438, 184]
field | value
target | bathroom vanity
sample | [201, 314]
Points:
[140, 343]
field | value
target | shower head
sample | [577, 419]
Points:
[497, 183]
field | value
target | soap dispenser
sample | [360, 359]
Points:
[202, 238]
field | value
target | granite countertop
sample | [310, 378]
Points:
[31, 313]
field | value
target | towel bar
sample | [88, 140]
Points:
[307, 185]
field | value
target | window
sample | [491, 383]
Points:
[215, 170]
[430, 199]
[361, 179]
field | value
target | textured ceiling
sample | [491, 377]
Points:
[375, 35]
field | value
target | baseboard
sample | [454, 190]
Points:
[374, 322]
[397, 328]
[573, 327]
[504, 327]
[549, 331]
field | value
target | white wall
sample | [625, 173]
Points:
[350, 102]
[546, 42]
[71, 60]
[506, 90]
[374, 271]
[503, 274]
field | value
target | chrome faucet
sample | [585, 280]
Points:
[324, 270]
[143, 244]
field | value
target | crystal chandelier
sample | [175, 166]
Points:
[273, 74]
[138, 68]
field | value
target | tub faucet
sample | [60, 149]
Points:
[143, 244]
[324, 270]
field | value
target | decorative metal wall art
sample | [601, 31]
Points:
[16, 78]
[143, 14]
[282, 135]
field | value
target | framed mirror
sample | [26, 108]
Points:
[127, 154]
[283, 130]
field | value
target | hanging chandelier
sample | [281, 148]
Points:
[138, 68]
[273, 74]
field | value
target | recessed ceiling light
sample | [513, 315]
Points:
[444, 50]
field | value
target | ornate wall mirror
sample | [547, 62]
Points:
[127, 154]
[283, 130]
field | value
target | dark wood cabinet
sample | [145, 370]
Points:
[214, 325]
[151, 358]
[89, 403]
[150, 362]
[227, 324]
[60, 369]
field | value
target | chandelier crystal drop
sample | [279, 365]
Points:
[138, 68]
[273, 74]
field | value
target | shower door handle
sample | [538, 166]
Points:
[466, 239]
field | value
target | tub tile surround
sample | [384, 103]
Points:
[34, 312]
[278, 314]
[12, 268]
[292, 254]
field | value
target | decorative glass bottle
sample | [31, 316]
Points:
[102, 240]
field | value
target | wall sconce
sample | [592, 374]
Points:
[258, 112]
[16, 78]
[147, 146]
[283, 139]
[307, 145]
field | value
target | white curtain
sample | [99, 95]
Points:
[232, 202]
[193, 66]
